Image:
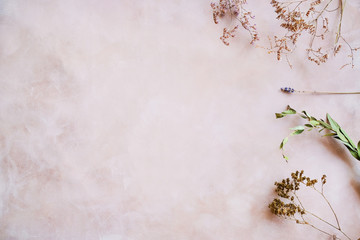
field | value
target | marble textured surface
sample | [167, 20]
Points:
[130, 120]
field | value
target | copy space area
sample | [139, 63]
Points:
[131, 120]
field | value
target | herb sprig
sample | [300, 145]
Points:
[334, 130]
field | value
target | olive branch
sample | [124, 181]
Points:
[331, 125]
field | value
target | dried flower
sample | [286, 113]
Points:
[308, 17]
[227, 34]
[234, 9]
[287, 90]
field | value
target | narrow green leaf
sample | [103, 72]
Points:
[336, 136]
[321, 130]
[284, 141]
[348, 146]
[314, 123]
[324, 124]
[300, 127]
[305, 113]
[347, 137]
[334, 125]
[303, 116]
[289, 111]
[279, 115]
[329, 135]
[355, 154]
[342, 137]
[358, 148]
[309, 125]
[285, 157]
[297, 132]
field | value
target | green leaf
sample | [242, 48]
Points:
[324, 124]
[334, 125]
[300, 127]
[289, 110]
[309, 125]
[358, 148]
[284, 141]
[355, 154]
[279, 115]
[305, 114]
[297, 132]
[341, 136]
[314, 123]
[329, 135]
[348, 146]
[285, 157]
[321, 130]
[347, 137]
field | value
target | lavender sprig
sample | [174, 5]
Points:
[290, 90]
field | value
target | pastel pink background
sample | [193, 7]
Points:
[130, 120]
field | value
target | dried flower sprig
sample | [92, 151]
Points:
[289, 206]
[234, 9]
[331, 125]
[289, 90]
[299, 17]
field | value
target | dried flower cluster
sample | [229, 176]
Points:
[289, 206]
[297, 18]
[297, 22]
[308, 17]
[287, 189]
[234, 9]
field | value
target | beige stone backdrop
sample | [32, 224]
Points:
[130, 120]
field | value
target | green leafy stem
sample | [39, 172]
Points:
[334, 130]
